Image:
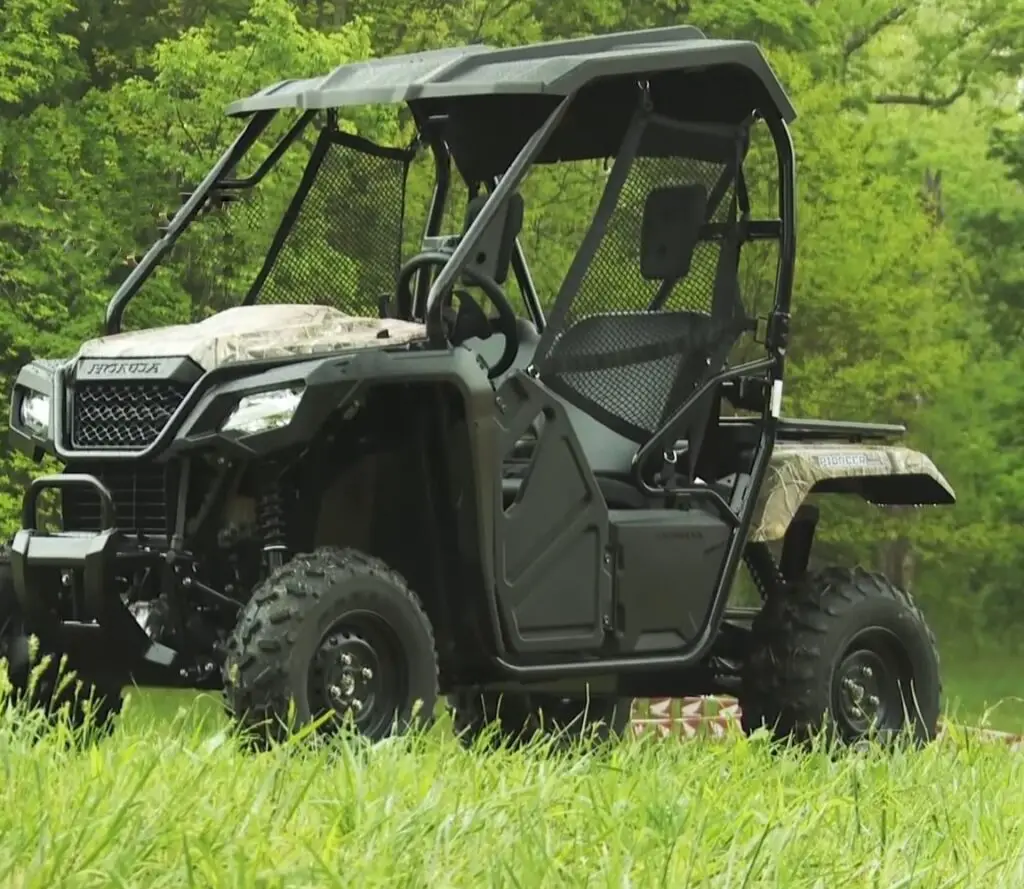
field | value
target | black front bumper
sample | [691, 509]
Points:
[92, 561]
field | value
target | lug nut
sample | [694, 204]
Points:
[357, 704]
[867, 672]
[366, 673]
[857, 712]
[346, 659]
[873, 700]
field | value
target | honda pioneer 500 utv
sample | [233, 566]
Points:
[383, 476]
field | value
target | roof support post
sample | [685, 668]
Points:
[510, 181]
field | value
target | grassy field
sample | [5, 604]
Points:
[171, 801]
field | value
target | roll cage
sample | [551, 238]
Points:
[580, 110]
[220, 186]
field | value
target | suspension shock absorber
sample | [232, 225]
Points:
[271, 513]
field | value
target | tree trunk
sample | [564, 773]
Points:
[896, 561]
[340, 12]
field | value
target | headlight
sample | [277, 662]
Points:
[34, 413]
[263, 411]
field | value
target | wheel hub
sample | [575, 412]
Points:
[867, 692]
[357, 674]
[350, 668]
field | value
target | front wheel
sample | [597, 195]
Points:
[845, 651]
[333, 638]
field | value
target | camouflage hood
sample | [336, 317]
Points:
[249, 333]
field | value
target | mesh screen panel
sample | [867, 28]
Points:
[625, 365]
[344, 247]
[140, 494]
[613, 281]
[344, 244]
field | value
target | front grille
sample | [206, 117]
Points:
[141, 495]
[122, 415]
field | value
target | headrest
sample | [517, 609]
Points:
[673, 218]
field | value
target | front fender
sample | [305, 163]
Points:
[329, 384]
[883, 475]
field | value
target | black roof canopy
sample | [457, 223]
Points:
[496, 98]
[556, 68]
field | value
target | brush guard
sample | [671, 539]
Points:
[93, 560]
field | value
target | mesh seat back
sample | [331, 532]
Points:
[620, 366]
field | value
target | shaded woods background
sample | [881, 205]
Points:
[909, 286]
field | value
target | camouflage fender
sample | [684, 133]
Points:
[883, 475]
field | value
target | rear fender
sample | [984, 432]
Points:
[883, 475]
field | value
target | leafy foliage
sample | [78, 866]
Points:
[908, 291]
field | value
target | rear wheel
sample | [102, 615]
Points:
[332, 639]
[89, 702]
[518, 718]
[845, 651]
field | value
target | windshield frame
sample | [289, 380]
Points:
[181, 220]
[218, 179]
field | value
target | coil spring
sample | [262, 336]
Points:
[271, 517]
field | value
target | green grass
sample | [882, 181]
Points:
[985, 690]
[172, 802]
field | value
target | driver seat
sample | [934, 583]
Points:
[609, 454]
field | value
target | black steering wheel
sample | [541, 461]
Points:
[505, 323]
